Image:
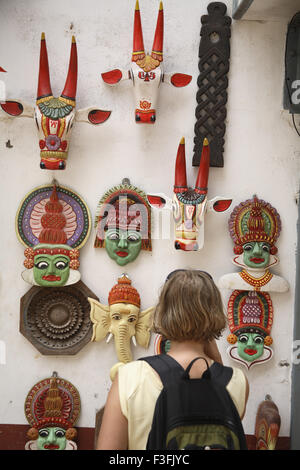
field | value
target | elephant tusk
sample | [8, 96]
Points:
[109, 337]
[133, 340]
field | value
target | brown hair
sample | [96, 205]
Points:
[189, 308]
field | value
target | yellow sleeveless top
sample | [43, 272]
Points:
[139, 387]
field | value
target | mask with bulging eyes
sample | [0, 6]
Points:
[52, 438]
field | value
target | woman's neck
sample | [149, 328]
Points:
[186, 349]
[184, 352]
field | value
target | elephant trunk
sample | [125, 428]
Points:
[122, 343]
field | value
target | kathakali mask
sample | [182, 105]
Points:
[52, 408]
[146, 70]
[123, 223]
[122, 319]
[189, 205]
[53, 222]
[250, 318]
[54, 117]
[254, 227]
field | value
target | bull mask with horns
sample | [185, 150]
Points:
[54, 117]
[146, 70]
[189, 205]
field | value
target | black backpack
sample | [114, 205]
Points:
[194, 413]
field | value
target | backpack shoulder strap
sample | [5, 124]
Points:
[166, 367]
[221, 374]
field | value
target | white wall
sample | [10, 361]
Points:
[261, 156]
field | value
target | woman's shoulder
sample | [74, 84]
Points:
[136, 372]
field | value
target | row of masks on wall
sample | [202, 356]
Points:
[54, 222]
[55, 117]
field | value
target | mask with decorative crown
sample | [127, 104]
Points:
[52, 408]
[254, 226]
[123, 223]
[123, 319]
[250, 318]
[53, 222]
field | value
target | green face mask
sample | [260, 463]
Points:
[256, 254]
[51, 439]
[250, 346]
[51, 270]
[123, 246]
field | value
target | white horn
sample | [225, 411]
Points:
[133, 340]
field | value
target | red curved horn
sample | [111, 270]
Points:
[157, 48]
[202, 178]
[44, 86]
[69, 91]
[180, 169]
[138, 51]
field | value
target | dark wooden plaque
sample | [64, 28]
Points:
[56, 320]
[214, 54]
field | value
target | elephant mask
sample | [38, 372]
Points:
[122, 319]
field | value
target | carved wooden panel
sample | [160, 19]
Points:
[57, 320]
[214, 53]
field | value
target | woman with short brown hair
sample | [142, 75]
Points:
[190, 314]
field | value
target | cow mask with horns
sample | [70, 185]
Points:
[54, 117]
[146, 70]
[189, 205]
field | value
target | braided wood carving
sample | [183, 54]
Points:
[214, 54]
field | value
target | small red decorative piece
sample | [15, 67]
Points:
[42, 144]
[180, 79]
[97, 116]
[222, 205]
[156, 201]
[12, 107]
[112, 77]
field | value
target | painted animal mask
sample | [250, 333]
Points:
[146, 70]
[52, 407]
[122, 319]
[123, 223]
[267, 425]
[250, 318]
[53, 223]
[189, 205]
[254, 226]
[54, 117]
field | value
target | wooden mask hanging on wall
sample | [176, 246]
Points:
[189, 205]
[53, 222]
[54, 117]
[52, 408]
[123, 223]
[146, 70]
[123, 319]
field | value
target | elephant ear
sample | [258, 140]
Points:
[100, 317]
[143, 327]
